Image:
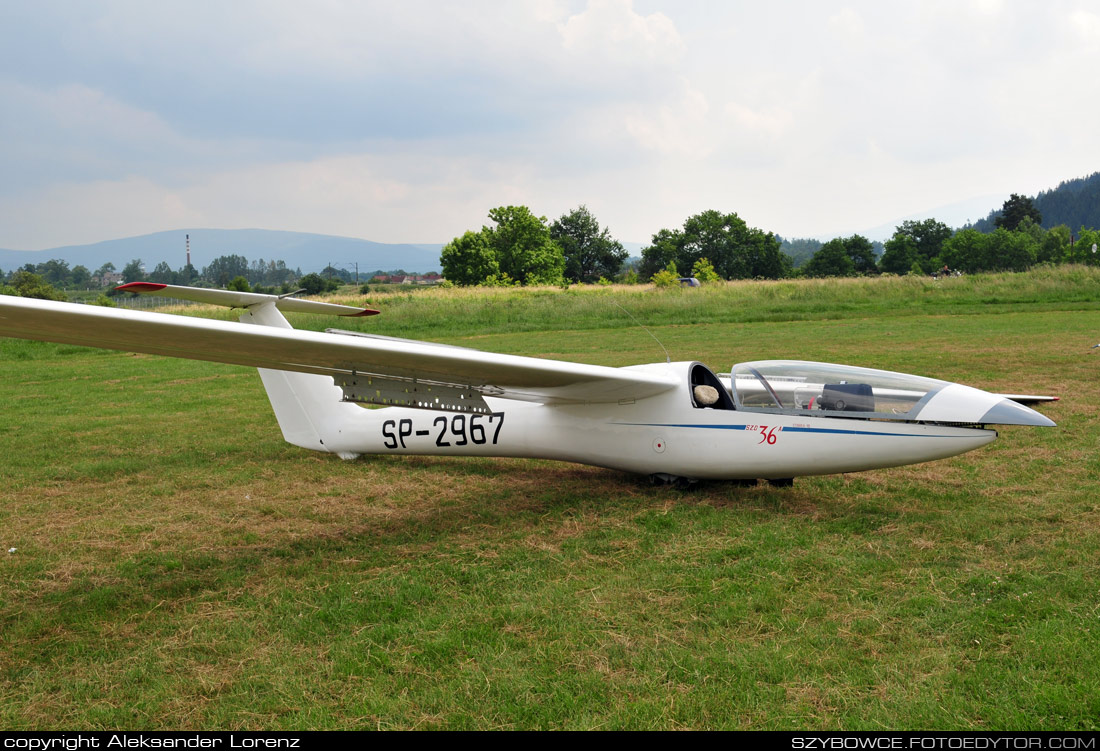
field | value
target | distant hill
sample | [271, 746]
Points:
[1074, 203]
[303, 250]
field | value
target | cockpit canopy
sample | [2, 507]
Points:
[796, 387]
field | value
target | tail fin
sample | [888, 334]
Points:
[309, 408]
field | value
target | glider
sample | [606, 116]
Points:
[674, 421]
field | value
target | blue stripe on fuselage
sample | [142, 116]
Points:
[834, 431]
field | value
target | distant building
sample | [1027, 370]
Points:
[109, 279]
[430, 278]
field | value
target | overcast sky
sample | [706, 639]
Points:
[407, 121]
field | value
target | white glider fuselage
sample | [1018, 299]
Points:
[657, 436]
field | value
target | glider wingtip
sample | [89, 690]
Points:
[140, 287]
[364, 312]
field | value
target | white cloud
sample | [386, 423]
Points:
[409, 121]
[612, 30]
[847, 23]
[1087, 25]
[77, 213]
[679, 129]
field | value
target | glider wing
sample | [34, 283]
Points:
[340, 356]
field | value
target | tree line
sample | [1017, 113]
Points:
[1074, 203]
[522, 249]
[221, 270]
[1016, 242]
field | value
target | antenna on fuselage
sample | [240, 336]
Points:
[620, 307]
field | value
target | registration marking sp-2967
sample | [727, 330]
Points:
[449, 430]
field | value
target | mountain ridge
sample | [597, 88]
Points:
[305, 250]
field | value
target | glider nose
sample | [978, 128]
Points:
[1008, 412]
[963, 404]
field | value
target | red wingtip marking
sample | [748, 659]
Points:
[141, 287]
[365, 312]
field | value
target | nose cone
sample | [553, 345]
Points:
[1008, 412]
[963, 404]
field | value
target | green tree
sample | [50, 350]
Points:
[163, 274]
[239, 284]
[81, 278]
[720, 237]
[313, 284]
[967, 250]
[862, 253]
[1015, 210]
[523, 246]
[899, 254]
[133, 272]
[736, 250]
[766, 260]
[518, 249]
[831, 260]
[704, 271]
[331, 272]
[1009, 251]
[1082, 249]
[799, 250]
[469, 259]
[1055, 245]
[187, 275]
[55, 272]
[663, 250]
[928, 237]
[271, 273]
[26, 284]
[223, 268]
[589, 250]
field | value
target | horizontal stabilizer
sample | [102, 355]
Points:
[1029, 398]
[233, 299]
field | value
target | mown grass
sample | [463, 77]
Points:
[178, 565]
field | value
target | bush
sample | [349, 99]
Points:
[704, 271]
[666, 277]
[499, 280]
[314, 284]
[238, 284]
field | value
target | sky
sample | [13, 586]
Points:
[407, 121]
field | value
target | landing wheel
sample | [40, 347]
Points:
[676, 481]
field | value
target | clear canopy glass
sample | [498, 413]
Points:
[797, 387]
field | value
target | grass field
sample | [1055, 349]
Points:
[177, 565]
